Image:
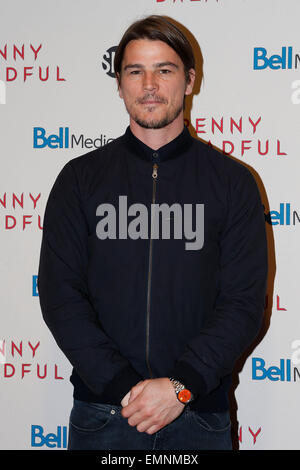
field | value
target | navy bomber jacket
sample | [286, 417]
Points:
[130, 307]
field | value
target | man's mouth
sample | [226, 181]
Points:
[152, 100]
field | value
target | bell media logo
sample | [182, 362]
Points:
[63, 139]
[285, 215]
[283, 370]
[51, 440]
[35, 292]
[284, 60]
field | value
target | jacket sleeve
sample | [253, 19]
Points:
[64, 296]
[239, 306]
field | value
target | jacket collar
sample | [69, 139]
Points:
[169, 151]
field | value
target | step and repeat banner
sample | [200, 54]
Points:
[59, 100]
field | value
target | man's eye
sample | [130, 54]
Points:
[135, 72]
[165, 71]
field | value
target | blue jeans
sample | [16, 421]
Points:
[95, 426]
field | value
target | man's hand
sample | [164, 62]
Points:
[152, 404]
[129, 395]
[125, 400]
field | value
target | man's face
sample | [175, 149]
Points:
[153, 83]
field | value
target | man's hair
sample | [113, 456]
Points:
[156, 28]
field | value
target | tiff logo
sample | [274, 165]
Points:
[2, 92]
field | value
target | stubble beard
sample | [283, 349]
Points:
[149, 123]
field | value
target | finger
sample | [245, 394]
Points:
[148, 425]
[153, 429]
[137, 418]
[136, 390]
[133, 405]
[131, 408]
[125, 400]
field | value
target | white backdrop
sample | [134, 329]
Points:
[56, 79]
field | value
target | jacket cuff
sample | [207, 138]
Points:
[191, 379]
[120, 385]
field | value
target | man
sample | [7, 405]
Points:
[153, 322]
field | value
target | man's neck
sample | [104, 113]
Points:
[157, 138]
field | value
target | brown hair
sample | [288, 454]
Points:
[159, 28]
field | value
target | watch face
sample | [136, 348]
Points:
[184, 395]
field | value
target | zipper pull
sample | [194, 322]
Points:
[154, 172]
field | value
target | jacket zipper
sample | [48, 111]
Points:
[154, 179]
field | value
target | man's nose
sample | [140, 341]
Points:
[149, 81]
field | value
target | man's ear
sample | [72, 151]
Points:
[190, 83]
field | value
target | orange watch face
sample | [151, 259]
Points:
[184, 395]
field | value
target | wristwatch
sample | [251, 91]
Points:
[184, 395]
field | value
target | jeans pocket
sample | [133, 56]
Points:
[90, 417]
[216, 422]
